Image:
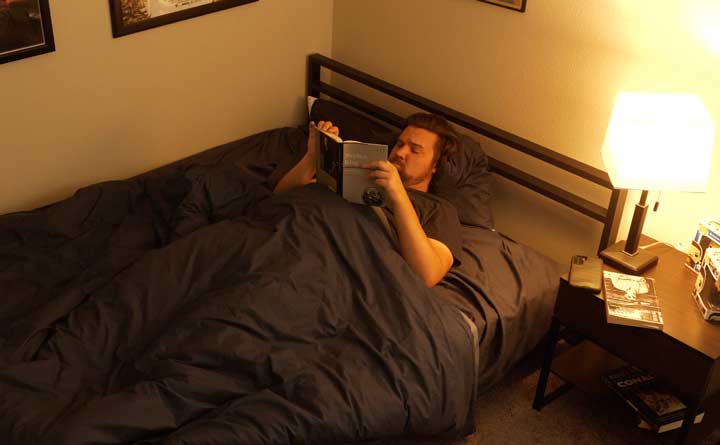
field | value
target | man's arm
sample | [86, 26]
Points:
[428, 258]
[303, 172]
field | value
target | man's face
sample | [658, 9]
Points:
[413, 157]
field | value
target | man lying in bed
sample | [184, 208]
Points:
[411, 165]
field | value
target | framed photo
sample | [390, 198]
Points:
[517, 5]
[25, 29]
[129, 16]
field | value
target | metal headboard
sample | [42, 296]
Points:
[608, 215]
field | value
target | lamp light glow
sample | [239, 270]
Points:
[655, 141]
[659, 142]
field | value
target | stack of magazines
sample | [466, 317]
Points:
[657, 409]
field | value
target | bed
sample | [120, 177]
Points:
[191, 305]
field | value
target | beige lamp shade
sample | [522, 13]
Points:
[659, 141]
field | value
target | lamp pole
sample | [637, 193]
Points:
[627, 255]
[638, 220]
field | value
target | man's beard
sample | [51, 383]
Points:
[410, 180]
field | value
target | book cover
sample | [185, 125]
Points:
[657, 407]
[631, 300]
[339, 168]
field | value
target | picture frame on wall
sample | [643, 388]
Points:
[25, 29]
[130, 16]
[516, 5]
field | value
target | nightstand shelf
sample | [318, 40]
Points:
[583, 365]
[684, 356]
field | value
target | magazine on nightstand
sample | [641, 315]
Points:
[631, 300]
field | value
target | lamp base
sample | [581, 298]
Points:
[638, 263]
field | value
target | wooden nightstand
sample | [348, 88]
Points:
[684, 356]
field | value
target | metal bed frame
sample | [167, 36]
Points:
[609, 215]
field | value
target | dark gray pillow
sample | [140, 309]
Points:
[461, 178]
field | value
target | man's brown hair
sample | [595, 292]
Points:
[448, 139]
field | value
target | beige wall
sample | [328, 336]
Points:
[549, 75]
[101, 108]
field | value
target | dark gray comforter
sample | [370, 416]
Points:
[188, 305]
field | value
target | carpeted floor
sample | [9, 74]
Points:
[505, 416]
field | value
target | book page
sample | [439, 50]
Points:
[357, 185]
[328, 164]
[356, 154]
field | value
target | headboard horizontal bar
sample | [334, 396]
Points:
[360, 104]
[573, 201]
[610, 215]
[528, 147]
[553, 192]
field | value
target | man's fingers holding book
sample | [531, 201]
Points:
[378, 165]
[381, 170]
[326, 126]
[386, 175]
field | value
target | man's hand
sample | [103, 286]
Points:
[303, 172]
[386, 176]
[325, 126]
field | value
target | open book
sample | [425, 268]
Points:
[339, 168]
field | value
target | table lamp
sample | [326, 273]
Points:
[655, 141]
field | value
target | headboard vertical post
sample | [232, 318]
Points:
[612, 220]
[313, 78]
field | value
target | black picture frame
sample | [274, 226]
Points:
[25, 29]
[131, 16]
[515, 5]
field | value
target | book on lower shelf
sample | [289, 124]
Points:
[631, 300]
[658, 409]
[643, 424]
